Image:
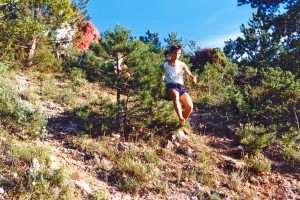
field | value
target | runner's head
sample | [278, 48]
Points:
[175, 51]
[175, 48]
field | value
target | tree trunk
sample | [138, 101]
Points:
[119, 117]
[31, 50]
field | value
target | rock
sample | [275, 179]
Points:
[177, 144]
[254, 180]
[126, 197]
[55, 192]
[106, 164]
[54, 165]
[83, 186]
[185, 150]
[117, 136]
[36, 166]
[69, 183]
[181, 136]
[263, 180]
[89, 32]
[121, 147]
[230, 164]
[171, 138]
[70, 127]
[115, 195]
[169, 145]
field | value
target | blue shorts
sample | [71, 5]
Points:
[178, 87]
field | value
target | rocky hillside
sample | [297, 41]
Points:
[203, 160]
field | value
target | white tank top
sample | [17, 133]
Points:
[174, 74]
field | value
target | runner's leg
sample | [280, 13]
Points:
[174, 96]
[186, 100]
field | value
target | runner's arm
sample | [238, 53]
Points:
[162, 73]
[189, 73]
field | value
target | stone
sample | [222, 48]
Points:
[36, 166]
[54, 166]
[121, 147]
[180, 135]
[170, 145]
[83, 185]
[185, 150]
[89, 32]
[106, 164]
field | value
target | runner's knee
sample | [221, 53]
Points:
[190, 106]
[173, 94]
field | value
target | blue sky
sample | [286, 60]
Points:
[208, 22]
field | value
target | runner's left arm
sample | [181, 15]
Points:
[189, 73]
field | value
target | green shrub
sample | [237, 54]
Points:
[291, 150]
[136, 172]
[255, 138]
[97, 118]
[25, 151]
[258, 164]
[16, 114]
[22, 179]
[292, 154]
[86, 61]
[44, 60]
[235, 180]
[217, 83]
[271, 95]
[78, 77]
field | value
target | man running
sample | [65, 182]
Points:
[176, 91]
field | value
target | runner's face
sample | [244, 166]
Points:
[175, 55]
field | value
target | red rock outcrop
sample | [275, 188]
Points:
[85, 34]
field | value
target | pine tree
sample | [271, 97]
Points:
[152, 39]
[132, 70]
[172, 40]
[272, 38]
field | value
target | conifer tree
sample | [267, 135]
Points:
[272, 38]
[172, 39]
[132, 69]
[152, 39]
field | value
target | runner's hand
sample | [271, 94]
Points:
[193, 78]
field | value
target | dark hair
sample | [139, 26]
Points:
[175, 48]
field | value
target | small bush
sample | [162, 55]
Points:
[44, 60]
[235, 180]
[137, 168]
[255, 138]
[78, 77]
[292, 154]
[258, 163]
[18, 115]
[25, 151]
[129, 184]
